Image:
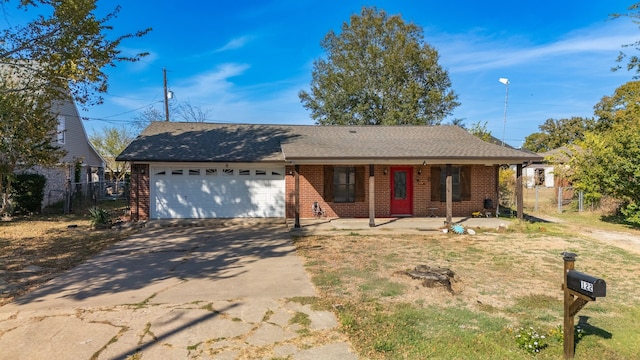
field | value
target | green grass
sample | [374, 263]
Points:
[382, 287]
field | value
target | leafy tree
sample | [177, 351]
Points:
[622, 106]
[606, 162]
[64, 50]
[58, 54]
[479, 129]
[557, 133]
[632, 61]
[111, 142]
[27, 127]
[378, 71]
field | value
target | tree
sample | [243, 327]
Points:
[65, 50]
[632, 61]
[606, 162]
[59, 54]
[189, 113]
[557, 133]
[479, 130]
[109, 144]
[183, 111]
[146, 117]
[27, 127]
[378, 71]
[622, 106]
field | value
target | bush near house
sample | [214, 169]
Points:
[28, 192]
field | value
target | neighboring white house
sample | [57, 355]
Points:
[543, 173]
[72, 137]
[539, 174]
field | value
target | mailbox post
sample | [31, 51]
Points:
[579, 289]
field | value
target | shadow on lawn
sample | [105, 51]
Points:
[588, 330]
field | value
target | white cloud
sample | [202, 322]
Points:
[235, 43]
[473, 52]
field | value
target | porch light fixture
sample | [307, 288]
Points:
[419, 171]
[385, 171]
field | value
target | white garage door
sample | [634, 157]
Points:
[222, 192]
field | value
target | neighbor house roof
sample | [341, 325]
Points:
[205, 142]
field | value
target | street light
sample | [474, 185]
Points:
[505, 81]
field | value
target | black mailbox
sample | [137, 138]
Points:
[586, 284]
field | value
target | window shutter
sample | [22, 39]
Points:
[435, 183]
[465, 183]
[328, 184]
[359, 184]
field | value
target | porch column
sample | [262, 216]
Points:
[372, 197]
[519, 196]
[449, 193]
[297, 196]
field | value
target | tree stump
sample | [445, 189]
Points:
[433, 276]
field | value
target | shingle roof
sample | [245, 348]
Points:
[203, 142]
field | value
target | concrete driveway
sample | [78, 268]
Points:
[192, 292]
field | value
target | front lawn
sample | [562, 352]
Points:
[37, 248]
[506, 284]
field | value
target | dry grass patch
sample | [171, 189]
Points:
[33, 250]
[502, 282]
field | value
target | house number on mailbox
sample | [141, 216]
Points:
[587, 286]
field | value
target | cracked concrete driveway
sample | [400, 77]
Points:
[178, 293]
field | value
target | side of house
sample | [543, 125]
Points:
[81, 166]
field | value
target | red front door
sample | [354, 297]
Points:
[401, 191]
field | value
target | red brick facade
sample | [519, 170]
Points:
[140, 192]
[483, 186]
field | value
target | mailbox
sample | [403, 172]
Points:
[586, 284]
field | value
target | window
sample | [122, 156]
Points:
[539, 176]
[460, 183]
[344, 187]
[261, 172]
[244, 172]
[61, 131]
[160, 172]
[211, 172]
[227, 171]
[176, 172]
[194, 171]
[344, 184]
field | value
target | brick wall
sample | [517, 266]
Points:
[483, 186]
[140, 192]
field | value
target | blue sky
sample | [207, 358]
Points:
[246, 61]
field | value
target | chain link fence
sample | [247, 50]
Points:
[77, 197]
[555, 199]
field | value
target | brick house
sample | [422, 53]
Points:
[203, 170]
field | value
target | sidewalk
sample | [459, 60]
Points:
[400, 225]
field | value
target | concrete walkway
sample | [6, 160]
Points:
[406, 225]
[205, 292]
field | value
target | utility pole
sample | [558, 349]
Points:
[166, 95]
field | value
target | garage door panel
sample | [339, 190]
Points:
[217, 197]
